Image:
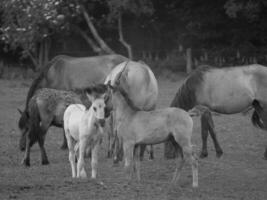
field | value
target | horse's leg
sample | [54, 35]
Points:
[208, 123]
[128, 156]
[179, 164]
[110, 133]
[265, 154]
[71, 144]
[151, 154]
[217, 146]
[30, 140]
[137, 161]
[81, 173]
[204, 136]
[41, 140]
[142, 148]
[94, 160]
[189, 157]
[26, 159]
[64, 143]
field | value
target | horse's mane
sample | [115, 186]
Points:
[127, 99]
[35, 84]
[98, 89]
[185, 97]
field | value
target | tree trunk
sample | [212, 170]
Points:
[94, 32]
[91, 43]
[188, 60]
[121, 38]
[33, 59]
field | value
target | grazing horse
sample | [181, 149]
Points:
[46, 108]
[225, 90]
[137, 79]
[136, 127]
[70, 73]
[84, 127]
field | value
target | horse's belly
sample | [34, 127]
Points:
[227, 93]
[152, 135]
[230, 103]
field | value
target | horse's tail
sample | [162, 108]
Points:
[36, 82]
[255, 118]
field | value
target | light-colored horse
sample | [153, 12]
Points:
[228, 91]
[85, 127]
[139, 82]
[136, 127]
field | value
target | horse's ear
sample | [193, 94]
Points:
[20, 112]
[88, 90]
[90, 97]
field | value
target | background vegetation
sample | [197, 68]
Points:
[219, 32]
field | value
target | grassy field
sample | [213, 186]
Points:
[241, 173]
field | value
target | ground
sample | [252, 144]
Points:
[241, 173]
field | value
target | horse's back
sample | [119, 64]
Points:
[141, 84]
[71, 72]
[52, 103]
[230, 90]
[160, 123]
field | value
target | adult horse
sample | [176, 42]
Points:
[225, 90]
[70, 73]
[137, 79]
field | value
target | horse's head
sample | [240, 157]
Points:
[99, 107]
[23, 125]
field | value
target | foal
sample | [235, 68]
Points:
[136, 127]
[84, 127]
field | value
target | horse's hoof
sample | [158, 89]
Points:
[45, 162]
[203, 154]
[219, 154]
[26, 162]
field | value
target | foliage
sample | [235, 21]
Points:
[25, 23]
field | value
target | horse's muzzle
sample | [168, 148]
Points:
[102, 122]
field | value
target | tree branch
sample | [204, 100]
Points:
[121, 38]
[93, 30]
[91, 43]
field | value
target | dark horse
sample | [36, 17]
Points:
[46, 108]
[227, 91]
[70, 73]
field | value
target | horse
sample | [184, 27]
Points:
[84, 126]
[227, 91]
[69, 73]
[142, 88]
[136, 127]
[46, 108]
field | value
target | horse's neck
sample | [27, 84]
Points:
[184, 101]
[122, 109]
[89, 117]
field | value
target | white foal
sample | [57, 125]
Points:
[85, 127]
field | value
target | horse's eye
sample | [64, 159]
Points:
[94, 109]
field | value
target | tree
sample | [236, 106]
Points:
[27, 25]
